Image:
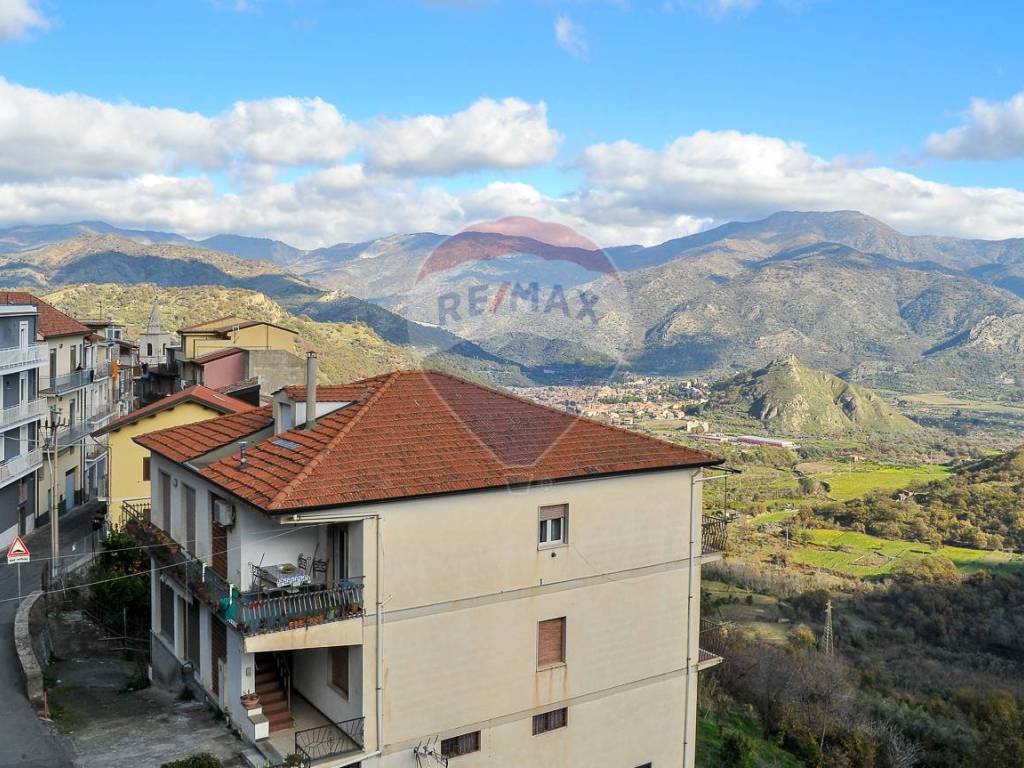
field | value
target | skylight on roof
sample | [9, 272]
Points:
[289, 444]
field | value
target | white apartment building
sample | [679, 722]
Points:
[21, 360]
[430, 572]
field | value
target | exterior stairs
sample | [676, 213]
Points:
[273, 697]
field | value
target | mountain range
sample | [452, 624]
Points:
[843, 291]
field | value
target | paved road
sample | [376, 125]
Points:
[25, 740]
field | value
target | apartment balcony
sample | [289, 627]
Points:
[309, 616]
[318, 746]
[69, 435]
[30, 410]
[19, 465]
[102, 370]
[711, 644]
[58, 385]
[714, 534]
[23, 357]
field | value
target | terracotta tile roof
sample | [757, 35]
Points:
[413, 433]
[217, 354]
[252, 381]
[196, 393]
[333, 393]
[52, 322]
[191, 441]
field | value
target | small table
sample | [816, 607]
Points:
[284, 575]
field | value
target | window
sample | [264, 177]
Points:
[549, 721]
[461, 745]
[339, 668]
[553, 522]
[145, 468]
[551, 642]
[167, 612]
[190, 518]
[149, 350]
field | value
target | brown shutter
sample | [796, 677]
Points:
[553, 512]
[165, 502]
[192, 636]
[190, 519]
[551, 642]
[218, 650]
[339, 668]
[145, 468]
[167, 612]
[219, 556]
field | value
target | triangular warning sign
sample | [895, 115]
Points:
[18, 552]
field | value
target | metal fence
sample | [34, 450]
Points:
[331, 740]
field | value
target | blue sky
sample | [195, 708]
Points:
[853, 85]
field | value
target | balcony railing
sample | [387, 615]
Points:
[20, 464]
[332, 740]
[255, 612]
[56, 385]
[19, 357]
[712, 642]
[30, 409]
[714, 534]
[70, 435]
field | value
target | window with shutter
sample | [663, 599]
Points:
[549, 721]
[461, 745]
[553, 525]
[145, 468]
[551, 642]
[167, 612]
[339, 668]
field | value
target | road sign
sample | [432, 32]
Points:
[18, 552]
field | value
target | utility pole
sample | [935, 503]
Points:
[56, 423]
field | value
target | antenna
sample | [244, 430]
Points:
[828, 640]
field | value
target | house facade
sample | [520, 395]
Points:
[428, 570]
[22, 358]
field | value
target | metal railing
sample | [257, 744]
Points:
[16, 357]
[70, 435]
[30, 409]
[259, 612]
[714, 534]
[20, 464]
[331, 740]
[67, 381]
[711, 645]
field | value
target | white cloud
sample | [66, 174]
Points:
[994, 130]
[571, 37]
[489, 134]
[287, 131]
[19, 17]
[715, 8]
[727, 175]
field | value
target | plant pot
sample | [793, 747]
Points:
[250, 700]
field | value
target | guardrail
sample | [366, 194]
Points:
[331, 740]
[30, 409]
[66, 382]
[259, 612]
[16, 357]
[19, 464]
[711, 645]
[714, 534]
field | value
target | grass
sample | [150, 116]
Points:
[866, 556]
[855, 482]
[773, 517]
[757, 612]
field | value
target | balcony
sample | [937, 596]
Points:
[58, 385]
[714, 534]
[711, 645]
[23, 357]
[70, 435]
[268, 619]
[330, 741]
[27, 411]
[20, 465]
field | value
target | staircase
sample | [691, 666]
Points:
[273, 695]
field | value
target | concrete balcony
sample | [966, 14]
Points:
[58, 385]
[711, 644]
[23, 357]
[714, 535]
[19, 465]
[30, 410]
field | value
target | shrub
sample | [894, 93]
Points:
[200, 760]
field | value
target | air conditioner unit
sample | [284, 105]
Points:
[223, 513]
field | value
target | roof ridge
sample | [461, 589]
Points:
[316, 460]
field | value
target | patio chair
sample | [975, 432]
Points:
[303, 563]
[319, 568]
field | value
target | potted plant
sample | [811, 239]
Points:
[250, 700]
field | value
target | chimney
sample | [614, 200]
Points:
[311, 363]
[242, 463]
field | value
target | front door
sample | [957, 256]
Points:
[69, 489]
[23, 334]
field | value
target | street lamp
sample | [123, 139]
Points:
[53, 426]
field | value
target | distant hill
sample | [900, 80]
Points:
[788, 397]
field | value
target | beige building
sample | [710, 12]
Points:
[431, 571]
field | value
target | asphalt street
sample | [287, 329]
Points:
[25, 740]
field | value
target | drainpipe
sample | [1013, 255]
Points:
[380, 637]
[693, 554]
[311, 363]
